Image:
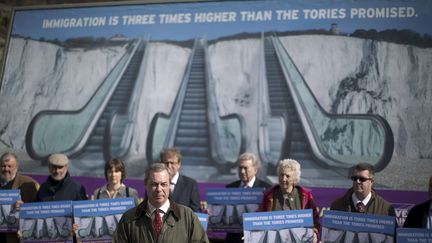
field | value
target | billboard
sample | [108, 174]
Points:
[328, 83]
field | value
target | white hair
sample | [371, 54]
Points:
[292, 165]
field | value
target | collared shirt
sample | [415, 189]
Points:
[249, 184]
[4, 182]
[162, 210]
[174, 181]
[365, 201]
[104, 192]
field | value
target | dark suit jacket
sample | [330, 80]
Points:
[257, 183]
[186, 193]
[237, 237]
[417, 216]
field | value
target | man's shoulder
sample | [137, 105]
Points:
[187, 179]
[234, 184]
[25, 179]
[422, 206]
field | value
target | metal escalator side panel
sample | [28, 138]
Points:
[67, 131]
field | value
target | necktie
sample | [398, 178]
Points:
[157, 222]
[172, 185]
[360, 207]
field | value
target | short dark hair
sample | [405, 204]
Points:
[170, 152]
[156, 167]
[118, 165]
[365, 166]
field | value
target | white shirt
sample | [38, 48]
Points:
[174, 181]
[365, 201]
[249, 184]
[162, 210]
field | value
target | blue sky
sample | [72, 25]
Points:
[415, 15]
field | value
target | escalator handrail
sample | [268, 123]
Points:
[80, 143]
[311, 133]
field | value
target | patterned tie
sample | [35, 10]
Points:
[360, 207]
[157, 222]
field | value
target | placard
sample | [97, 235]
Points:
[353, 227]
[98, 219]
[413, 235]
[203, 218]
[9, 217]
[46, 221]
[227, 205]
[279, 226]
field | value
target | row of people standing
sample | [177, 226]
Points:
[286, 195]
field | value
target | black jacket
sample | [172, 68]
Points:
[257, 183]
[66, 189]
[186, 193]
[417, 216]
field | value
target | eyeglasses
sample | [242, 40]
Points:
[361, 179]
[170, 163]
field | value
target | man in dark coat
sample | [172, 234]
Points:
[361, 197]
[420, 216]
[158, 218]
[11, 179]
[247, 168]
[184, 190]
[59, 186]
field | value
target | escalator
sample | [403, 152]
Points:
[192, 137]
[118, 104]
[281, 104]
[194, 126]
[82, 134]
[326, 145]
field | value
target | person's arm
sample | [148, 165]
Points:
[194, 202]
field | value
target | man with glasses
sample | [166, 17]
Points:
[59, 186]
[184, 190]
[362, 198]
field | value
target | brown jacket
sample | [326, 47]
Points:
[377, 205]
[180, 224]
[28, 189]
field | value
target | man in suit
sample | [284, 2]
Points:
[184, 190]
[420, 216]
[247, 168]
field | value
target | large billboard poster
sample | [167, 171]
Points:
[329, 83]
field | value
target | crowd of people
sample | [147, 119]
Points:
[167, 212]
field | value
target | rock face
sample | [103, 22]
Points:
[43, 76]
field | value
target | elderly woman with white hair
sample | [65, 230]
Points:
[288, 195]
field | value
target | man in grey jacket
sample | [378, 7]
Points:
[158, 218]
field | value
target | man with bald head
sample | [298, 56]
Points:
[158, 218]
[11, 179]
